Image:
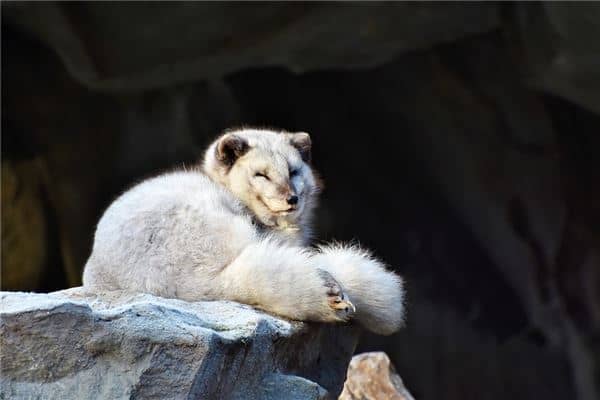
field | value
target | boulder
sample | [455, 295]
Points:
[76, 344]
[371, 376]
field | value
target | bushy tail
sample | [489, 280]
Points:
[282, 279]
[377, 293]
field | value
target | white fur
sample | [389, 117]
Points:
[377, 293]
[279, 278]
[199, 235]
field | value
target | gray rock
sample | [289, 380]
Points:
[76, 344]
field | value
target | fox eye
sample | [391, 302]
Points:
[261, 175]
[294, 172]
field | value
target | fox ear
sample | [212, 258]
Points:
[229, 148]
[301, 141]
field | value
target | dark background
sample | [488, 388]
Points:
[458, 141]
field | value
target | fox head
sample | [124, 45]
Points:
[268, 171]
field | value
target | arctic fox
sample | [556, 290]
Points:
[237, 228]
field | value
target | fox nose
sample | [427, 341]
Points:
[292, 200]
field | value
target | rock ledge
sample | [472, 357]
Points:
[79, 344]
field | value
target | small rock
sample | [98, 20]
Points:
[371, 376]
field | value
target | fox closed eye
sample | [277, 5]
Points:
[261, 175]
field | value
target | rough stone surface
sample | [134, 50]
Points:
[371, 376]
[75, 344]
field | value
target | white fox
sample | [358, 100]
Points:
[237, 228]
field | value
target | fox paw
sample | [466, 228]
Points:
[337, 300]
